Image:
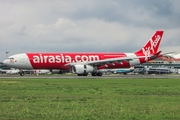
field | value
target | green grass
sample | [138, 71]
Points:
[89, 99]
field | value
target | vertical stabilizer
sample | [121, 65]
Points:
[151, 47]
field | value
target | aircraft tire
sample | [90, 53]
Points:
[94, 74]
[85, 74]
[21, 73]
[99, 74]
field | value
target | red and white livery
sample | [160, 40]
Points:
[84, 63]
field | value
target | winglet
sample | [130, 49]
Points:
[151, 47]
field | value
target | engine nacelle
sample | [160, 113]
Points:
[82, 69]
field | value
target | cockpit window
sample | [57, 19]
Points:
[12, 60]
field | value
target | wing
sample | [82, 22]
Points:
[106, 61]
[118, 60]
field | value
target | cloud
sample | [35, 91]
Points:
[109, 25]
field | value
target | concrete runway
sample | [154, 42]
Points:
[112, 76]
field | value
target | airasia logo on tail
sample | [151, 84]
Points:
[153, 45]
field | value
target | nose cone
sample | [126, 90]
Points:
[6, 62]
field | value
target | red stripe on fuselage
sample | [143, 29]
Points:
[58, 60]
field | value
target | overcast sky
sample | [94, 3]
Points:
[86, 25]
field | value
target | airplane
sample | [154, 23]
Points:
[123, 70]
[159, 71]
[57, 71]
[1, 71]
[38, 72]
[10, 72]
[118, 71]
[84, 63]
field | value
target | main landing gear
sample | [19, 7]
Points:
[85, 74]
[21, 73]
[93, 74]
[96, 74]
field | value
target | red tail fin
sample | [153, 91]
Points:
[151, 47]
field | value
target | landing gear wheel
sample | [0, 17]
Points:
[99, 74]
[85, 74]
[21, 73]
[94, 74]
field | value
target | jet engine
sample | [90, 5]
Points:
[82, 69]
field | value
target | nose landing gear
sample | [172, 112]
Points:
[21, 73]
